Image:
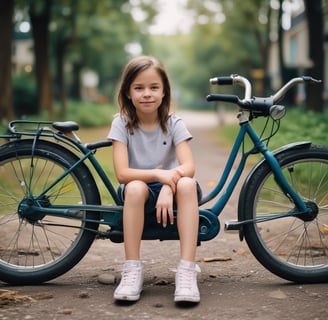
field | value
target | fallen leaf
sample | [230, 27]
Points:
[324, 230]
[12, 295]
[242, 252]
[211, 184]
[212, 259]
[67, 311]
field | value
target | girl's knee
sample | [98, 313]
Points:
[136, 189]
[186, 185]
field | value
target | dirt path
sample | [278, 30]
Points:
[239, 288]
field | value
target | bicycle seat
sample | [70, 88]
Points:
[66, 126]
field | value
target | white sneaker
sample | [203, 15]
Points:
[186, 288]
[131, 283]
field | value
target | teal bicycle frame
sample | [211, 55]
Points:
[112, 214]
[259, 147]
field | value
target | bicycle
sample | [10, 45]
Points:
[50, 205]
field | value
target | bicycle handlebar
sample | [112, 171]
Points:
[260, 105]
[280, 93]
[223, 97]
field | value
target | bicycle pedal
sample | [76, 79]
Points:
[232, 226]
[115, 236]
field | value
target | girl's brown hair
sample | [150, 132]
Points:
[131, 70]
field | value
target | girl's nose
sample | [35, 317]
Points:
[147, 92]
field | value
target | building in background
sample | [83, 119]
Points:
[296, 49]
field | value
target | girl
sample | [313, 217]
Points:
[154, 164]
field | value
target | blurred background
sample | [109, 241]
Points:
[63, 59]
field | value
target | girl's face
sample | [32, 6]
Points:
[147, 92]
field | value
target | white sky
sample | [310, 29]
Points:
[173, 18]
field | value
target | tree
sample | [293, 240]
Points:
[285, 73]
[228, 36]
[251, 22]
[6, 27]
[313, 9]
[88, 35]
[40, 15]
[63, 38]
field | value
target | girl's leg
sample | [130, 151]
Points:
[186, 277]
[135, 195]
[188, 219]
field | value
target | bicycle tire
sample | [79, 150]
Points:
[37, 250]
[292, 248]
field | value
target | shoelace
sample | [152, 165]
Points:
[187, 276]
[130, 276]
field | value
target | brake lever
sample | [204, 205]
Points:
[310, 79]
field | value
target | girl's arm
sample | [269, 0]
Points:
[185, 159]
[124, 174]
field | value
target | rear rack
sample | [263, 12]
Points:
[28, 127]
[63, 131]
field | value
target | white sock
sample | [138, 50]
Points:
[187, 264]
[132, 263]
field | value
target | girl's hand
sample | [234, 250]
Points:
[170, 177]
[164, 206]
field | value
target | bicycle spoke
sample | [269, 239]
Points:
[32, 241]
[294, 247]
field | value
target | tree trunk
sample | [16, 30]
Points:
[285, 73]
[63, 42]
[40, 22]
[263, 41]
[75, 91]
[314, 99]
[6, 27]
[60, 49]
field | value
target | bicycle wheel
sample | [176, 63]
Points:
[294, 248]
[42, 247]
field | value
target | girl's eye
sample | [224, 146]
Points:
[140, 88]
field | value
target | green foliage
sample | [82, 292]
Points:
[89, 114]
[98, 33]
[24, 95]
[227, 37]
[304, 125]
[297, 125]
[86, 114]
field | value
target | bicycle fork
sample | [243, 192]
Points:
[301, 207]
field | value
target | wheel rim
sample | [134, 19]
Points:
[31, 245]
[296, 241]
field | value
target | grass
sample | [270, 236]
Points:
[89, 114]
[86, 114]
[297, 125]
[104, 157]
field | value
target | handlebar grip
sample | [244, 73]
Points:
[223, 97]
[222, 80]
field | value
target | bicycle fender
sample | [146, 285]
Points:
[276, 153]
[40, 143]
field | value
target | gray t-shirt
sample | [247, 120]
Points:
[151, 149]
